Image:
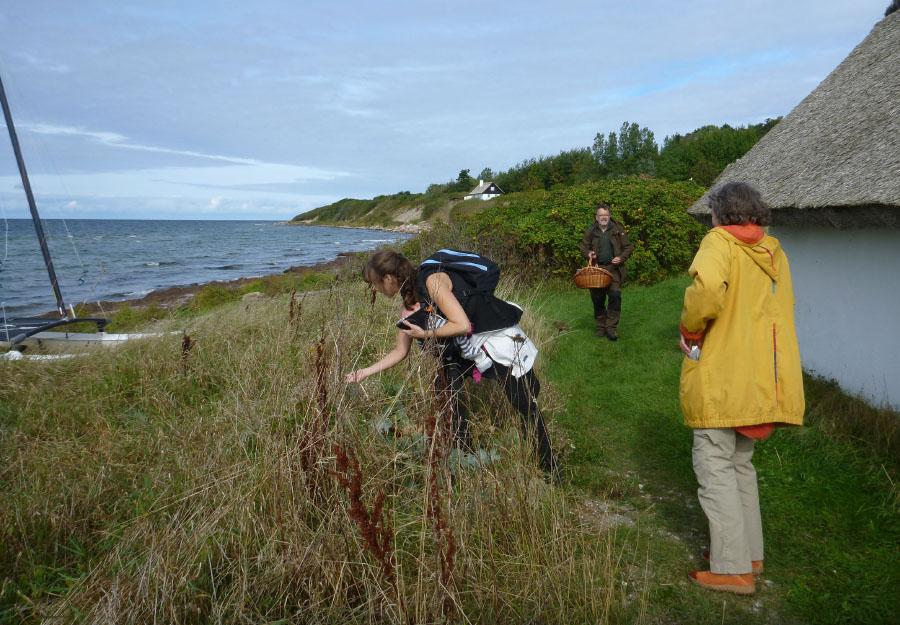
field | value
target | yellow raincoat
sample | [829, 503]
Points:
[741, 302]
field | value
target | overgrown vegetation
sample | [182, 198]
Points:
[876, 429]
[231, 475]
[545, 229]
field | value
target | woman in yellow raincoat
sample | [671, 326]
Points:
[741, 375]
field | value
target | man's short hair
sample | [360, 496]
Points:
[603, 205]
[736, 203]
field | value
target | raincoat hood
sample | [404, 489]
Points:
[757, 245]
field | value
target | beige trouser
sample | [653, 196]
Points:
[729, 496]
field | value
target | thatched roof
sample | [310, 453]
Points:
[836, 157]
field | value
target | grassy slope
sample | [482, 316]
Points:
[829, 511]
[400, 208]
[379, 211]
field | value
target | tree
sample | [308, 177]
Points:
[701, 155]
[606, 151]
[632, 152]
[637, 150]
[486, 174]
[463, 181]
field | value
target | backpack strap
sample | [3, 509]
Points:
[480, 274]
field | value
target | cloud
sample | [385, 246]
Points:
[149, 207]
[113, 139]
[41, 65]
[234, 181]
[239, 172]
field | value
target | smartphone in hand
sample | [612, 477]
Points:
[418, 318]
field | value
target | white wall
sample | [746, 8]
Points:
[847, 288]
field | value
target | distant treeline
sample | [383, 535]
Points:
[700, 156]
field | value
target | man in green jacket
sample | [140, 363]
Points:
[606, 242]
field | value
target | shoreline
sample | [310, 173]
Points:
[402, 229]
[173, 297]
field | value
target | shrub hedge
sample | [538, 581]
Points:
[546, 229]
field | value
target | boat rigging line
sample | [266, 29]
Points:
[17, 330]
[10, 126]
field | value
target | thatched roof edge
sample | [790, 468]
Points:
[838, 151]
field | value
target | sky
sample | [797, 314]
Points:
[206, 109]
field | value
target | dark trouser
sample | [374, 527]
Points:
[608, 302]
[521, 392]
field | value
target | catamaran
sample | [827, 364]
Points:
[18, 333]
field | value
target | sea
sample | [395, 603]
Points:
[119, 259]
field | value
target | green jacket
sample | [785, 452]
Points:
[622, 247]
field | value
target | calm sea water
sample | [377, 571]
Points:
[98, 259]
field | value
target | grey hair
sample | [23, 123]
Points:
[736, 203]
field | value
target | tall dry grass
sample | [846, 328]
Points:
[233, 477]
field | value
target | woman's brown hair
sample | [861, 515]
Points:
[737, 203]
[390, 263]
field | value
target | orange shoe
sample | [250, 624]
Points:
[738, 584]
[756, 566]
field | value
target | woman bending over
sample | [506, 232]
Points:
[476, 333]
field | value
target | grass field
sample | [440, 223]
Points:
[232, 476]
[830, 508]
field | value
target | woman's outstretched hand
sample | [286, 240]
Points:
[356, 377]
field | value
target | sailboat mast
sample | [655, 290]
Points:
[31, 205]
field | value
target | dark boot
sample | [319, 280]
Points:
[612, 321]
[612, 315]
[600, 322]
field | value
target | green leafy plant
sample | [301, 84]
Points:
[549, 226]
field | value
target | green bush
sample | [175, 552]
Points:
[217, 293]
[547, 228]
[127, 319]
[213, 295]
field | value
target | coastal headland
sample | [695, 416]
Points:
[408, 228]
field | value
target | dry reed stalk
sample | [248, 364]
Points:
[314, 429]
[375, 526]
[186, 345]
[295, 314]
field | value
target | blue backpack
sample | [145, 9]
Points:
[474, 279]
[479, 274]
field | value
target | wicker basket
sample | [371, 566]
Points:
[592, 277]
